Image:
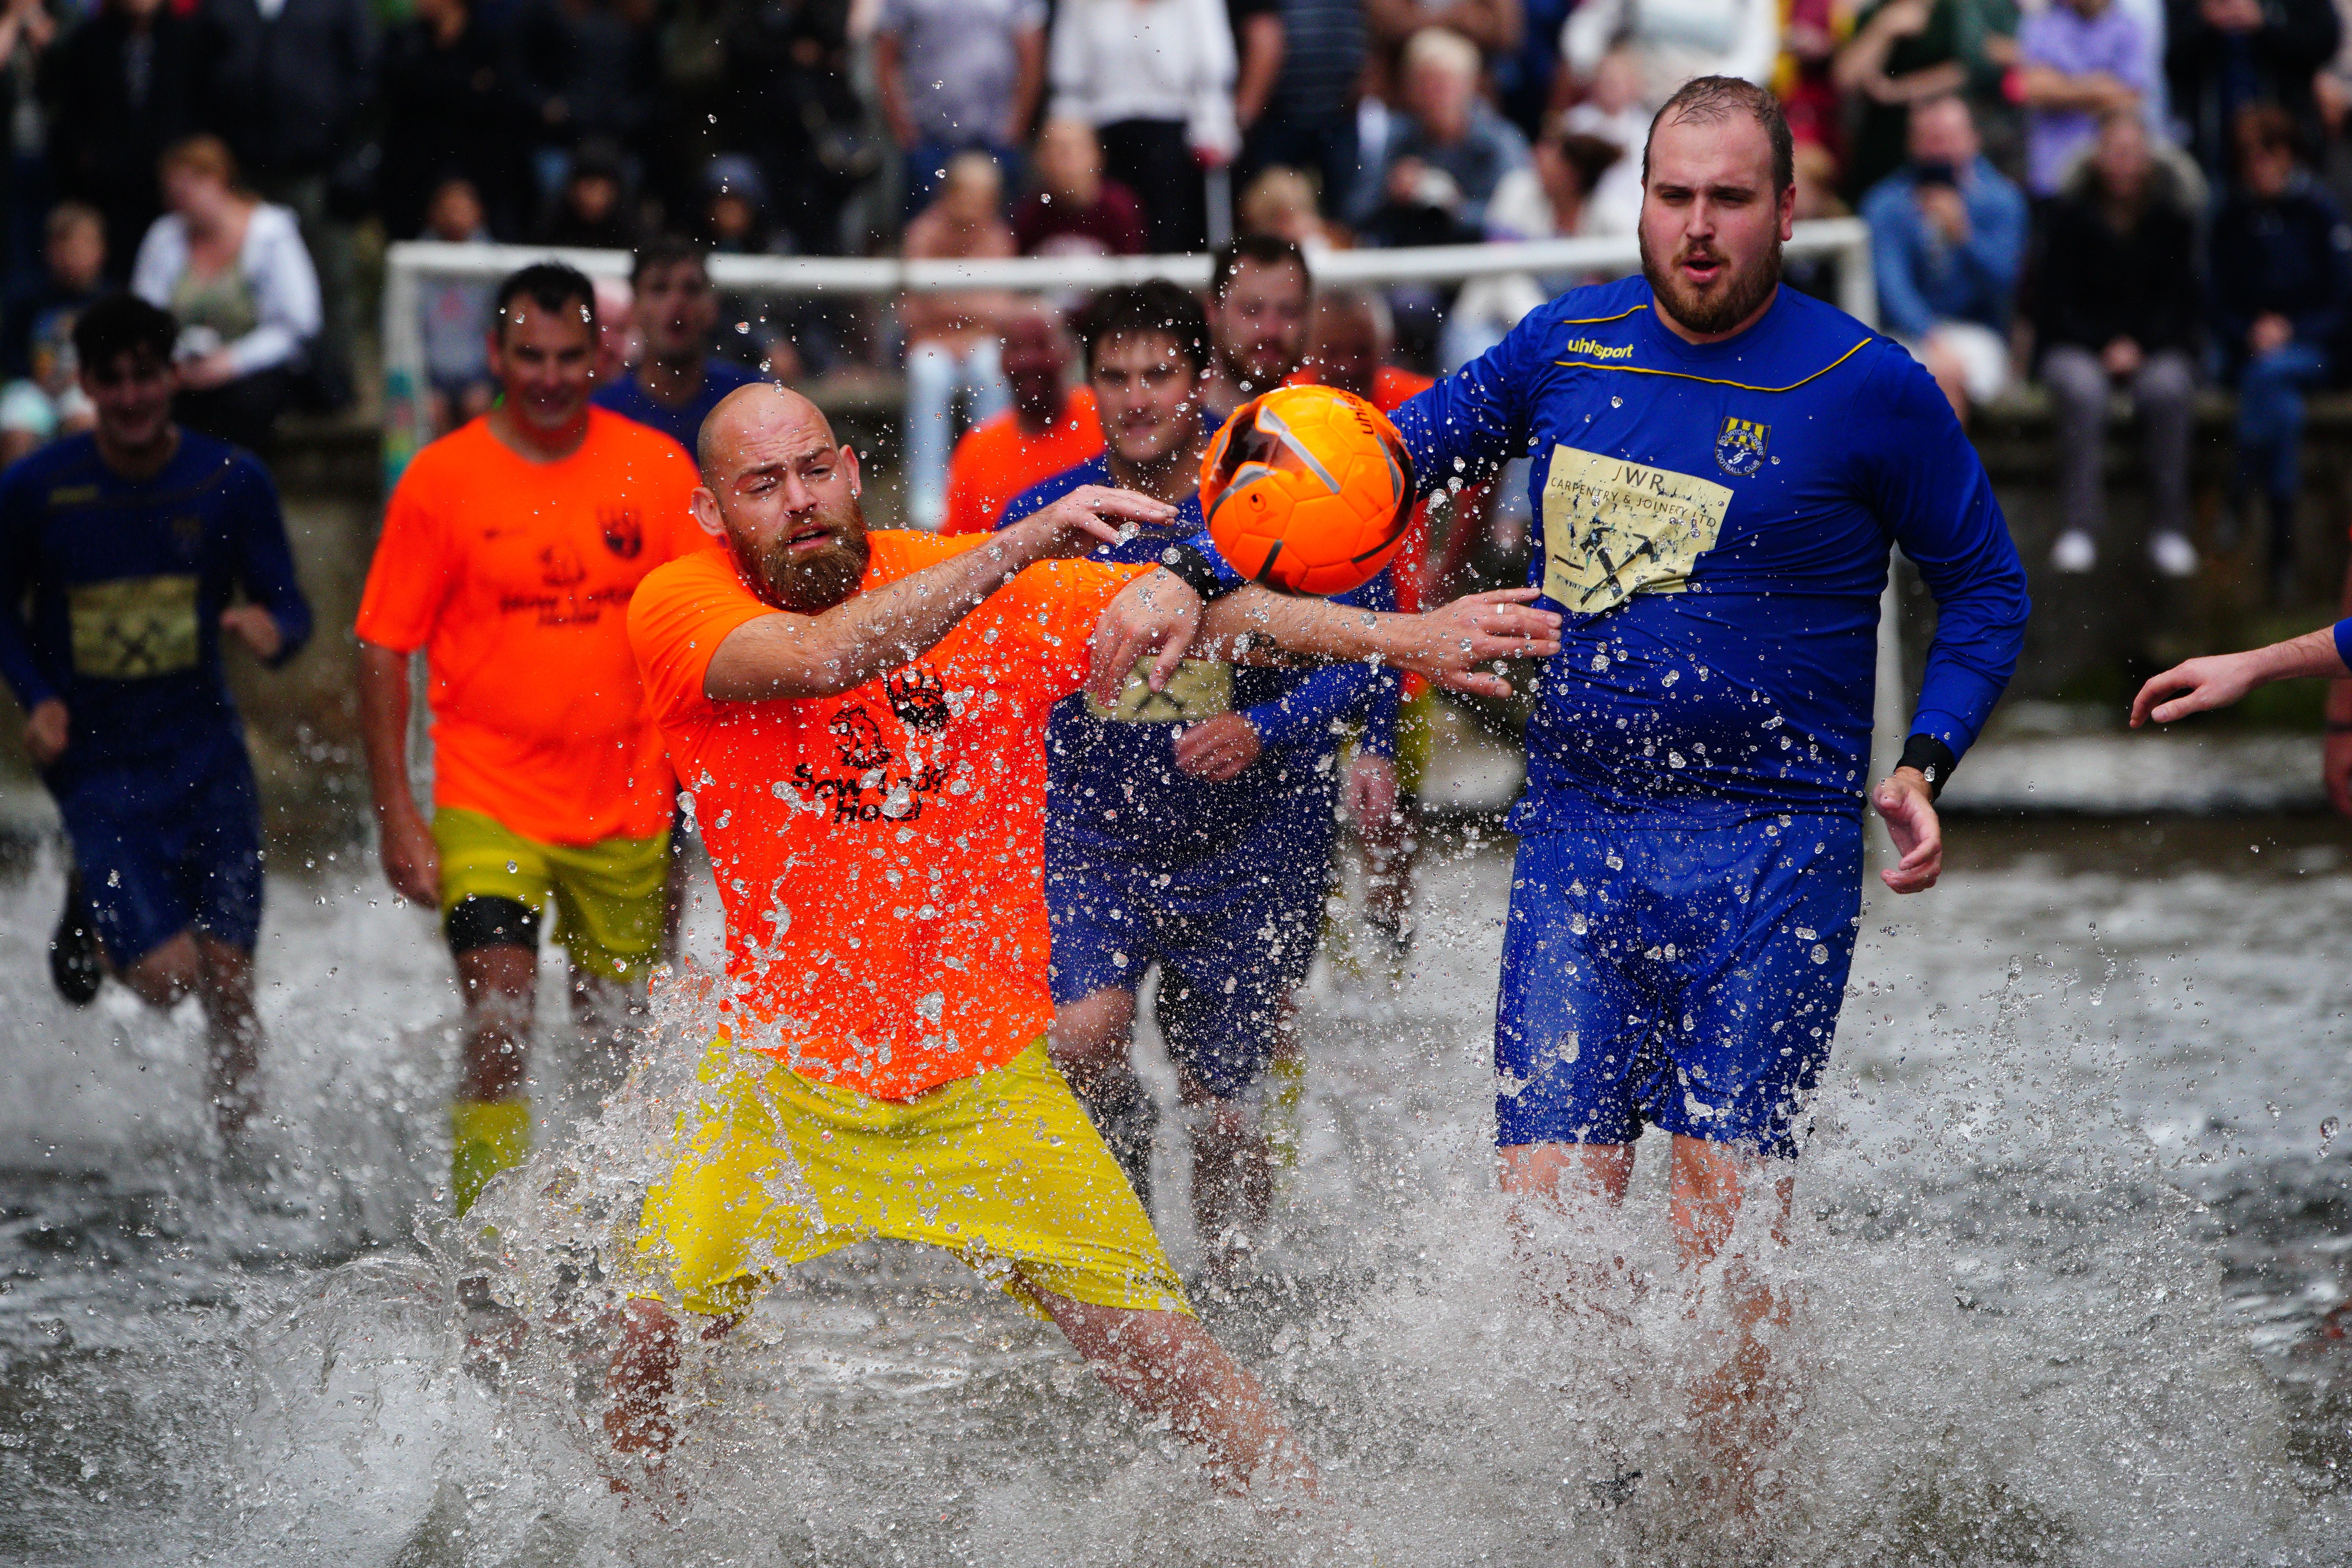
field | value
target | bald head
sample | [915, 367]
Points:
[784, 495]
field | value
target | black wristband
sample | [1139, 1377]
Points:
[1932, 758]
[1197, 572]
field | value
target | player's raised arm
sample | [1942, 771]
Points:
[797, 492]
[2201, 685]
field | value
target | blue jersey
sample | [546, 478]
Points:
[1111, 772]
[683, 423]
[1714, 522]
[126, 582]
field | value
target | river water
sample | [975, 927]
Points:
[2070, 1220]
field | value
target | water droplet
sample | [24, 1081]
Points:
[1616, 403]
[2327, 1131]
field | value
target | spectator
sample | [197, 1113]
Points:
[1674, 40]
[1494, 27]
[952, 342]
[1551, 201]
[591, 206]
[121, 88]
[1257, 58]
[677, 381]
[47, 400]
[456, 317]
[2118, 307]
[287, 85]
[1282, 202]
[1051, 426]
[586, 71]
[2081, 61]
[449, 108]
[1309, 120]
[232, 269]
[1260, 297]
[1528, 76]
[1806, 78]
[1612, 112]
[1444, 157]
[1904, 52]
[618, 342]
[1946, 240]
[2223, 57]
[1815, 168]
[1155, 79]
[956, 75]
[26, 31]
[2281, 283]
[814, 160]
[1074, 211]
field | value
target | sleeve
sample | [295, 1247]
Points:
[1930, 492]
[1588, 33]
[285, 292]
[2133, 63]
[1060, 602]
[1302, 716]
[1474, 420]
[1903, 309]
[265, 561]
[678, 616]
[163, 256]
[414, 572]
[18, 565]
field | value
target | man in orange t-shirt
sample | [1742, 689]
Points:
[1050, 427]
[860, 723]
[509, 551]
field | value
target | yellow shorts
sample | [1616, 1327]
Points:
[1002, 1169]
[1413, 742]
[608, 895]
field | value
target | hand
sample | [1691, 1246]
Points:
[2336, 769]
[214, 369]
[1157, 614]
[1944, 211]
[1086, 517]
[1910, 816]
[1404, 182]
[1449, 643]
[412, 861]
[2270, 332]
[2121, 358]
[256, 629]
[47, 730]
[1218, 749]
[2196, 687]
[1369, 798]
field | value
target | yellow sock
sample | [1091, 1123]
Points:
[1286, 1078]
[486, 1136]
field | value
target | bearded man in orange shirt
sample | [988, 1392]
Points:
[1051, 426]
[860, 721]
[510, 549]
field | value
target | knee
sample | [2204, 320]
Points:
[171, 972]
[2164, 382]
[1092, 1032]
[2076, 383]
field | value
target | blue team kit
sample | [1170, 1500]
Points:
[1715, 523]
[127, 582]
[1222, 885]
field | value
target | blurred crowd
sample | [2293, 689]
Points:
[2121, 200]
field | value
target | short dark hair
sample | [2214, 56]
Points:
[1709, 97]
[550, 286]
[1154, 308]
[124, 324]
[670, 250]
[1266, 249]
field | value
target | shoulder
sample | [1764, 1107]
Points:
[27, 480]
[1594, 304]
[1046, 492]
[1885, 198]
[1991, 185]
[984, 438]
[451, 462]
[273, 225]
[208, 460]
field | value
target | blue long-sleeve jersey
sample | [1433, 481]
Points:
[1715, 523]
[1114, 776]
[125, 581]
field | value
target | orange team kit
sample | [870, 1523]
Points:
[996, 460]
[879, 854]
[515, 578]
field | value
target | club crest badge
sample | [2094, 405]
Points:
[1739, 446]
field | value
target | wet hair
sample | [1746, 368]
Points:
[659, 255]
[550, 286]
[1264, 249]
[124, 324]
[1718, 98]
[1153, 308]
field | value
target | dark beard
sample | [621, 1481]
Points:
[812, 583]
[1740, 295]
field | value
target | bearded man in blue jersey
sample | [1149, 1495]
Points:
[1719, 465]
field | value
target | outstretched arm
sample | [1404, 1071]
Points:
[2219, 679]
[796, 656]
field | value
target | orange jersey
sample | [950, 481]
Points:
[996, 461]
[515, 578]
[881, 853]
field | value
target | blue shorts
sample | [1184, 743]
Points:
[161, 849]
[1233, 937]
[1686, 980]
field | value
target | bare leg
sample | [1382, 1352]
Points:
[1233, 1172]
[1089, 1043]
[500, 982]
[221, 977]
[1389, 845]
[1167, 1364]
[1563, 1178]
[1736, 1407]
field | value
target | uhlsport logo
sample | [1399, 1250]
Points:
[1597, 349]
[1739, 446]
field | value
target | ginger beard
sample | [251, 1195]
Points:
[1727, 300]
[805, 576]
